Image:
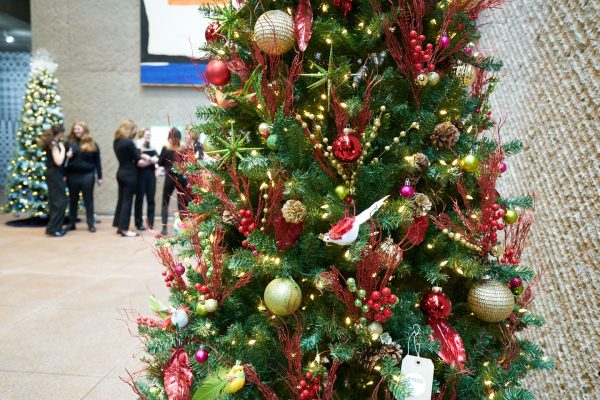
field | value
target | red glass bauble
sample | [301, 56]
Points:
[436, 305]
[218, 73]
[212, 32]
[346, 148]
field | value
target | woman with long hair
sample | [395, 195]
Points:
[146, 180]
[51, 142]
[128, 156]
[82, 171]
[173, 180]
[192, 141]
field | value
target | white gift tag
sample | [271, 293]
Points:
[418, 372]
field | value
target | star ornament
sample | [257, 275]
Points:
[233, 148]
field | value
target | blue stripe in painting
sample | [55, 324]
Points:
[172, 74]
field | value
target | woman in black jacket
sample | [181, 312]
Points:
[173, 180]
[82, 170]
[51, 142]
[146, 180]
[128, 156]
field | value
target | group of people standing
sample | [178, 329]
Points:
[78, 160]
[75, 163]
[136, 175]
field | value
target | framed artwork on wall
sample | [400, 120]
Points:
[172, 31]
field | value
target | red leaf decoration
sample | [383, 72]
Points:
[286, 234]
[453, 349]
[178, 376]
[417, 231]
[303, 24]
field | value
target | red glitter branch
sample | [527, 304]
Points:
[253, 377]
[515, 237]
[167, 259]
[293, 73]
[329, 383]
[290, 345]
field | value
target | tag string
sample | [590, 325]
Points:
[414, 336]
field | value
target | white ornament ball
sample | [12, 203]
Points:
[179, 318]
[264, 128]
[211, 305]
[375, 328]
[434, 78]
[274, 32]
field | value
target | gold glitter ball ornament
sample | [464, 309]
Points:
[294, 211]
[491, 301]
[282, 296]
[466, 73]
[274, 32]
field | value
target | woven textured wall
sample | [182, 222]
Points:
[550, 96]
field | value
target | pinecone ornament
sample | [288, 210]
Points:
[371, 357]
[422, 204]
[294, 211]
[421, 163]
[445, 135]
[229, 218]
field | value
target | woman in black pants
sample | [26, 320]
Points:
[146, 180]
[128, 156]
[51, 142]
[173, 181]
[82, 169]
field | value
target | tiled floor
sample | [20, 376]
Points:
[62, 335]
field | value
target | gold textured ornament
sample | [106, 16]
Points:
[466, 73]
[282, 296]
[422, 79]
[274, 32]
[294, 211]
[491, 301]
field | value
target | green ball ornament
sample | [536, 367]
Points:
[362, 320]
[341, 191]
[351, 282]
[358, 303]
[518, 290]
[510, 217]
[154, 390]
[362, 293]
[366, 308]
[200, 309]
[272, 142]
[470, 163]
[282, 296]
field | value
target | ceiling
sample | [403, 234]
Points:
[15, 24]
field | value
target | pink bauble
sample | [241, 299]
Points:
[201, 356]
[179, 269]
[445, 41]
[407, 191]
[502, 168]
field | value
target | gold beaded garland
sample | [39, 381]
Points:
[274, 32]
[491, 301]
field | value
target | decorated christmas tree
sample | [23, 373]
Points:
[27, 192]
[347, 240]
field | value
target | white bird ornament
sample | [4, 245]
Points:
[345, 232]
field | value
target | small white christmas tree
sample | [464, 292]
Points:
[27, 192]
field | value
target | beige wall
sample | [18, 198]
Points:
[97, 46]
[549, 94]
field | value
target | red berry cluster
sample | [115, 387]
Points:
[247, 225]
[203, 289]
[509, 257]
[379, 304]
[309, 388]
[169, 277]
[345, 5]
[145, 321]
[419, 55]
[250, 247]
[492, 226]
